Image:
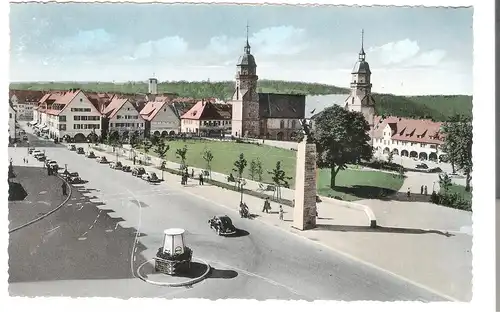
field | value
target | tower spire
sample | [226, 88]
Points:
[247, 46]
[362, 52]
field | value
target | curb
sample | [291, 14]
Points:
[367, 210]
[180, 284]
[48, 213]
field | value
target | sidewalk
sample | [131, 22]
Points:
[432, 259]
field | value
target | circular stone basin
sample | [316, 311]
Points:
[198, 272]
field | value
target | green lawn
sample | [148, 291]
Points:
[357, 184]
[352, 184]
[460, 189]
[226, 153]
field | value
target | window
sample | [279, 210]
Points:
[62, 118]
[62, 127]
[76, 117]
[118, 117]
[282, 124]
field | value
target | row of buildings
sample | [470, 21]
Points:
[78, 114]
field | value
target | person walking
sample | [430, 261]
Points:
[201, 178]
[267, 206]
[408, 193]
[281, 213]
[425, 190]
[192, 173]
[134, 160]
[64, 189]
[421, 189]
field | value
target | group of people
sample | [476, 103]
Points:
[267, 208]
[185, 176]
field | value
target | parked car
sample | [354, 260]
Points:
[72, 147]
[31, 150]
[138, 171]
[80, 150]
[91, 155]
[53, 164]
[422, 166]
[150, 177]
[40, 157]
[222, 225]
[72, 177]
[126, 169]
[103, 160]
[116, 165]
[25, 137]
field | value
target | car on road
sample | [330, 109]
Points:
[126, 169]
[102, 160]
[138, 172]
[31, 150]
[40, 157]
[116, 165]
[150, 177]
[80, 151]
[422, 166]
[53, 164]
[25, 137]
[72, 147]
[91, 155]
[222, 225]
[72, 177]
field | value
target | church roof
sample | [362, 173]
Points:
[247, 60]
[361, 67]
[273, 105]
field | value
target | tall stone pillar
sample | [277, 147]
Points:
[304, 211]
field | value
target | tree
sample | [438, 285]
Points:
[155, 140]
[341, 138]
[444, 181]
[239, 167]
[124, 137]
[161, 150]
[458, 145]
[252, 170]
[181, 153]
[279, 178]
[208, 157]
[146, 146]
[259, 171]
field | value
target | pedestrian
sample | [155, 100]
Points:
[266, 206]
[421, 189]
[408, 193]
[425, 190]
[24, 160]
[192, 173]
[134, 160]
[64, 189]
[281, 213]
[201, 178]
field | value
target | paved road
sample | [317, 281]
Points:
[265, 264]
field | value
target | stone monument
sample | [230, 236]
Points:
[304, 211]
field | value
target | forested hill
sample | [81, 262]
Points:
[435, 107]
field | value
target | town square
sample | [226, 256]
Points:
[246, 185]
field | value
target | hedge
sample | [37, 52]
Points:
[235, 188]
[453, 200]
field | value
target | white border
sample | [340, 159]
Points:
[484, 188]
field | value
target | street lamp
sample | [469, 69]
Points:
[433, 183]
[241, 183]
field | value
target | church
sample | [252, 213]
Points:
[263, 115]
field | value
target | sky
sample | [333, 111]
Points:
[411, 50]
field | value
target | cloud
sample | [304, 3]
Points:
[405, 54]
[164, 47]
[87, 41]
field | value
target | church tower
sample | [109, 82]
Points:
[360, 98]
[245, 101]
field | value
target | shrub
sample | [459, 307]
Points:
[453, 200]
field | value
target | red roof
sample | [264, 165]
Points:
[25, 96]
[151, 110]
[205, 110]
[114, 107]
[410, 130]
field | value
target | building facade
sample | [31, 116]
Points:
[207, 119]
[421, 139]
[280, 115]
[121, 117]
[24, 101]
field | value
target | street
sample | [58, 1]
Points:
[113, 223]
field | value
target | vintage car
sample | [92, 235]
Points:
[138, 172]
[40, 157]
[126, 169]
[422, 166]
[222, 225]
[116, 165]
[150, 177]
[73, 177]
[25, 137]
[53, 165]
[72, 147]
[80, 150]
[31, 150]
[91, 155]
[102, 160]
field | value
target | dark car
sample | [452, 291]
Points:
[422, 166]
[222, 225]
[126, 169]
[30, 150]
[80, 150]
[91, 155]
[138, 172]
[72, 147]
